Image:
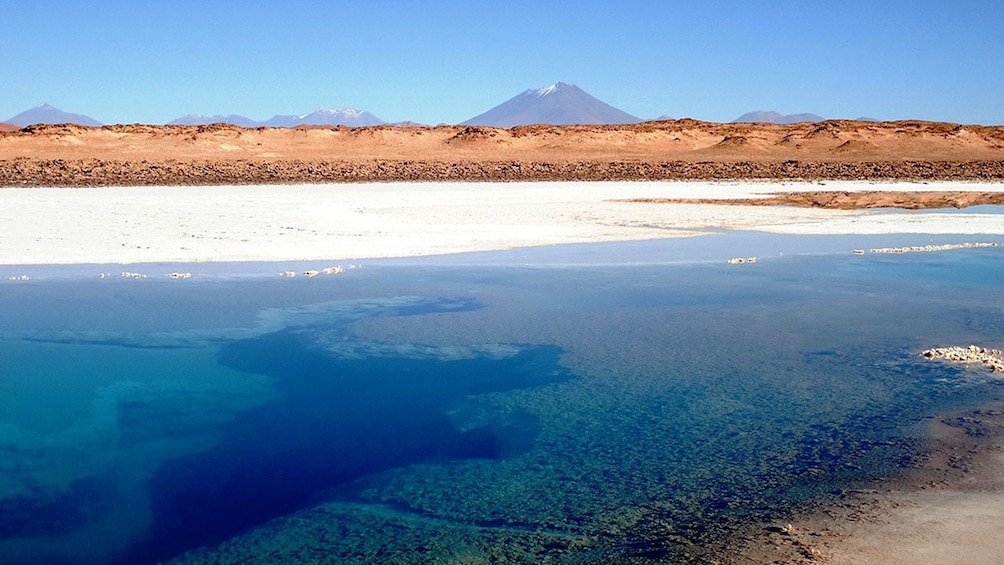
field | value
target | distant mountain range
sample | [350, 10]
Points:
[46, 114]
[763, 117]
[200, 120]
[320, 117]
[558, 104]
[776, 118]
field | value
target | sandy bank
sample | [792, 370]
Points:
[350, 221]
[947, 508]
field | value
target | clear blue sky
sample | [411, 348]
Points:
[153, 61]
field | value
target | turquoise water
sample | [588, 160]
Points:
[627, 402]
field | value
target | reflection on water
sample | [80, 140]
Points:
[415, 412]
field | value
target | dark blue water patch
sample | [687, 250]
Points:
[43, 514]
[335, 420]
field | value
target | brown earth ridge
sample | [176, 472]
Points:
[70, 155]
[846, 200]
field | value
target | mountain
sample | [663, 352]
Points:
[197, 120]
[46, 114]
[321, 117]
[776, 118]
[8, 127]
[558, 104]
[325, 117]
[407, 124]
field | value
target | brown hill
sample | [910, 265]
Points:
[8, 127]
[144, 154]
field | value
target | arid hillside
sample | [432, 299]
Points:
[684, 149]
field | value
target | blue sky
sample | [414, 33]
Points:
[432, 62]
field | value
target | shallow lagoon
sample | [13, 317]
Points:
[587, 403]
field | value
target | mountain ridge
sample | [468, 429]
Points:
[320, 117]
[325, 117]
[202, 120]
[771, 117]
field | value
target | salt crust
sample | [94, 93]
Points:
[47, 226]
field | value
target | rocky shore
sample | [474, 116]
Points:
[102, 172]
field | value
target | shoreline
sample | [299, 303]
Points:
[944, 507]
[710, 248]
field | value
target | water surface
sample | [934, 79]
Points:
[587, 403]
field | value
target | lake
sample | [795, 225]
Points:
[590, 403]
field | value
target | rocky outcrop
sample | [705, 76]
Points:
[968, 355]
[929, 248]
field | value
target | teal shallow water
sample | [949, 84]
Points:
[579, 404]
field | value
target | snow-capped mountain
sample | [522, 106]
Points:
[325, 117]
[198, 120]
[776, 118]
[46, 114]
[321, 117]
[558, 104]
